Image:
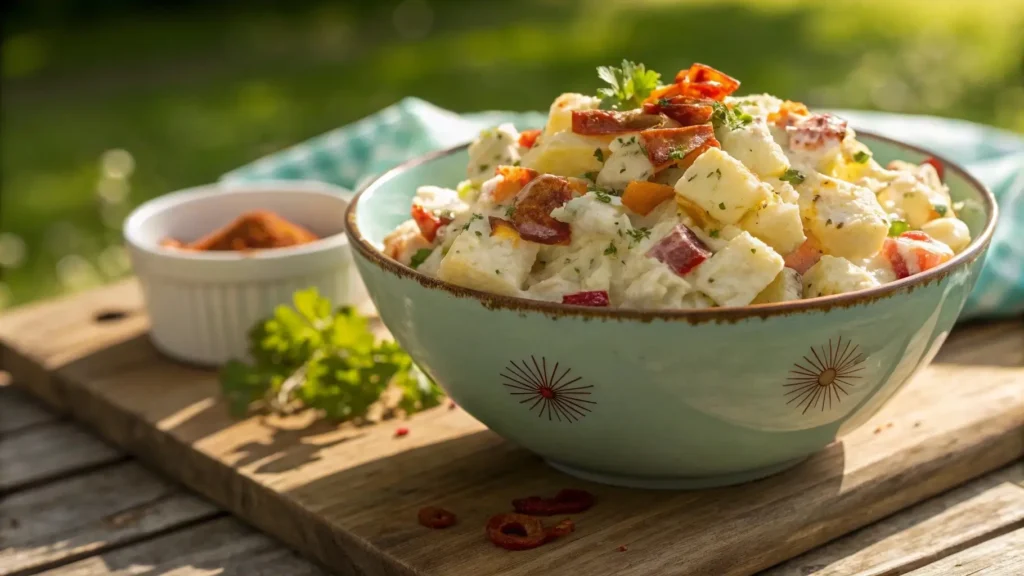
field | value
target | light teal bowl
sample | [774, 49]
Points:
[665, 399]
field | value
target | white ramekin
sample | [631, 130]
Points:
[201, 305]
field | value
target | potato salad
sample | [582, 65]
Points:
[679, 195]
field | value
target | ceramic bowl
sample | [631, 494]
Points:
[201, 305]
[665, 399]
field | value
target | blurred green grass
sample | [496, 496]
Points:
[192, 94]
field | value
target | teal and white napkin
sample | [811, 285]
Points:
[351, 155]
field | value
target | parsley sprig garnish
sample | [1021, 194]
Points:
[629, 85]
[307, 355]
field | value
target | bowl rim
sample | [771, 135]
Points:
[730, 314]
[133, 224]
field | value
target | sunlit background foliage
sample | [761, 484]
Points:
[108, 104]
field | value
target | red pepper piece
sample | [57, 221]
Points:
[568, 501]
[686, 111]
[516, 531]
[403, 431]
[527, 138]
[804, 257]
[597, 298]
[680, 250]
[596, 122]
[939, 168]
[670, 146]
[434, 517]
[532, 214]
[428, 222]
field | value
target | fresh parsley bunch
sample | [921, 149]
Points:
[629, 85]
[324, 359]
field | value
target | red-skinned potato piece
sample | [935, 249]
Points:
[668, 146]
[595, 298]
[680, 250]
[804, 257]
[428, 222]
[892, 253]
[597, 122]
[686, 111]
[527, 138]
[702, 81]
[532, 213]
[925, 250]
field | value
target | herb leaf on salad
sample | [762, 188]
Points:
[628, 85]
[312, 356]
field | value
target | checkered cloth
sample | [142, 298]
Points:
[349, 156]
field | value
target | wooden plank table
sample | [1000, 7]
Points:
[73, 505]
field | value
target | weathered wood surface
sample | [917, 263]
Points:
[47, 451]
[223, 547]
[944, 525]
[1003, 556]
[18, 411]
[88, 513]
[348, 497]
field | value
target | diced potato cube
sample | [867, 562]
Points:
[494, 147]
[754, 146]
[588, 215]
[722, 186]
[735, 275]
[916, 201]
[778, 224]
[950, 231]
[786, 286]
[832, 275]
[845, 218]
[627, 162]
[565, 154]
[560, 114]
[490, 263]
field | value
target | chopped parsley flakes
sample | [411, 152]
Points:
[611, 249]
[599, 154]
[419, 257]
[638, 234]
[898, 227]
[940, 210]
[792, 176]
[861, 157]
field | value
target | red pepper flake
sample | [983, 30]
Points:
[563, 528]
[434, 517]
[623, 548]
[939, 168]
[403, 431]
[516, 531]
[452, 405]
[568, 501]
[596, 298]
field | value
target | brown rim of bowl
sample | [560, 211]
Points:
[821, 303]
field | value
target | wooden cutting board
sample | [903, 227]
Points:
[348, 496]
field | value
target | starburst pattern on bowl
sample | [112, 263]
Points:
[820, 378]
[562, 398]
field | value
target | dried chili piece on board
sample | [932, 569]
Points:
[516, 531]
[567, 501]
[434, 517]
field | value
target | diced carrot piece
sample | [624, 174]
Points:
[504, 230]
[515, 177]
[527, 138]
[642, 197]
[781, 116]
